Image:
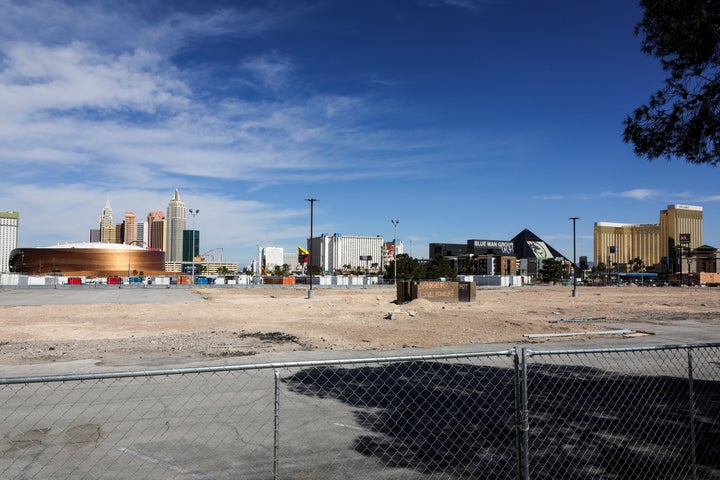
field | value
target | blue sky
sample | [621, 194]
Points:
[463, 119]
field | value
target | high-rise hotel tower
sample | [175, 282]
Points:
[654, 243]
[107, 229]
[680, 221]
[175, 219]
[130, 229]
[9, 222]
[156, 230]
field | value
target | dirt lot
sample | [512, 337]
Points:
[217, 323]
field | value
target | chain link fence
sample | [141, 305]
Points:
[623, 413]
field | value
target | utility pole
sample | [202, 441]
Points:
[574, 291]
[395, 224]
[192, 252]
[312, 201]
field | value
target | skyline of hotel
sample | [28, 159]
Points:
[164, 231]
[654, 243]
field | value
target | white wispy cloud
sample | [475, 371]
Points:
[74, 102]
[67, 79]
[637, 193]
[95, 103]
[272, 70]
[549, 197]
[129, 25]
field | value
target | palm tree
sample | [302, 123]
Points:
[637, 264]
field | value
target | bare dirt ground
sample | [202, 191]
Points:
[217, 323]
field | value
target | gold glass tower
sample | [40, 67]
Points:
[653, 243]
[677, 220]
[630, 240]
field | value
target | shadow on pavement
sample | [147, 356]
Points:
[460, 420]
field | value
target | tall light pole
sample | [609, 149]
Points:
[395, 224]
[192, 253]
[574, 292]
[312, 201]
[130, 244]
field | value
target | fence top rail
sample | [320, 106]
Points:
[687, 346]
[256, 366]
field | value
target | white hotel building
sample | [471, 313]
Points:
[8, 237]
[332, 252]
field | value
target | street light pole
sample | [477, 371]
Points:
[130, 244]
[192, 253]
[395, 224]
[574, 291]
[312, 201]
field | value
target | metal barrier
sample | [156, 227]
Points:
[622, 413]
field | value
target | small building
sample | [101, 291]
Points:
[391, 250]
[272, 257]
[702, 259]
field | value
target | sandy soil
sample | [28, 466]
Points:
[241, 322]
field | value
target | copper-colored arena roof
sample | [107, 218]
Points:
[88, 259]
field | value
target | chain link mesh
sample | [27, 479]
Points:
[651, 413]
[179, 426]
[415, 419]
[639, 414]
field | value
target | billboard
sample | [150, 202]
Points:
[505, 247]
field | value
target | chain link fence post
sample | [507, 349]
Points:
[276, 429]
[691, 393]
[518, 416]
[523, 427]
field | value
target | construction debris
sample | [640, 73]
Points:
[392, 315]
[574, 334]
[577, 320]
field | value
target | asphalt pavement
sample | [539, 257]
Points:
[83, 295]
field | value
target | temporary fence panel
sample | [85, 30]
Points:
[195, 425]
[438, 418]
[623, 413]
[642, 413]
